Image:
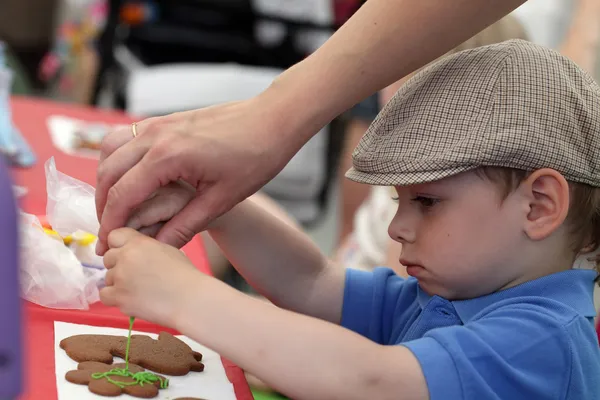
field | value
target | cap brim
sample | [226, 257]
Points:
[403, 178]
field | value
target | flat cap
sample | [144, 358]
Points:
[514, 104]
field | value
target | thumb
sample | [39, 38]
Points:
[120, 237]
[196, 215]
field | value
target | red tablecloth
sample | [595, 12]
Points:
[30, 116]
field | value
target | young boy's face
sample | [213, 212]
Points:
[459, 238]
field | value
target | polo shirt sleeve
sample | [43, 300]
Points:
[375, 302]
[517, 351]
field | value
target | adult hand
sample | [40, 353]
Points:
[220, 152]
[146, 278]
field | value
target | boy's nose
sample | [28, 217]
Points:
[401, 229]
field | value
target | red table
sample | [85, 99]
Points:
[30, 116]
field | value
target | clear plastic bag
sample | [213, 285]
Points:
[53, 274]
[71, 203]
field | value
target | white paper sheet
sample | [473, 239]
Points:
[211, 384]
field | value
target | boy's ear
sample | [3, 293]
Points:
[547, 193]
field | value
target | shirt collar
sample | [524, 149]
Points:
[574, 288]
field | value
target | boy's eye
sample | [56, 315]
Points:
[426, 202]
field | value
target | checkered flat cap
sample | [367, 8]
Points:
[514, 104]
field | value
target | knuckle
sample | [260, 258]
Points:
[108, 144]
[136, 243]
[109, 259]
[183, 234]
[130, 253]
[103, 297]
[119, 275]
[152, 129]
[113, 196]
[112, 236]
[107, 297]
[109, 279]
[150, 124]
[102, 174]
[162, 149]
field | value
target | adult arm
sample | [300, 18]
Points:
[228, 152]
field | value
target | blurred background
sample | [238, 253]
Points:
[154, 57]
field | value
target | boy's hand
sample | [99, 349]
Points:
[168, 201]
[147, 279]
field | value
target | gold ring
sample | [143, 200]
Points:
[134, 129]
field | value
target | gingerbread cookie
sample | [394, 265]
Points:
[167, 355]
[114, 380]
[100, 348]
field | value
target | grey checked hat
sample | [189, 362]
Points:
[514, 104]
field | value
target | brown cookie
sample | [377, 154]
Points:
[104, 387]
[167, 355]
[93, 347]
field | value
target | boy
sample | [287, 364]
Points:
[494, 154]
[367, 211]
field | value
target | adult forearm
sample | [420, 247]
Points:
[384, 41]
[279, 261]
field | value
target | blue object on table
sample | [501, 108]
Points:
[10, 301]
[13, 145]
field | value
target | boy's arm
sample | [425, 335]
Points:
[280, 261]
[303, 357]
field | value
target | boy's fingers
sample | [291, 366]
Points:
[110, 258]
[109, 278]
[120, 237]
[108, 296]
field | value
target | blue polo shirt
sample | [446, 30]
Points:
[533, 341]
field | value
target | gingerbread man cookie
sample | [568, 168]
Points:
[114, 380]
[167, 355]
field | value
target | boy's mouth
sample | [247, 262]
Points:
[412, 268]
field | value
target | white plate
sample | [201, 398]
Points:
[211, 384]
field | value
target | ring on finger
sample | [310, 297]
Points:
[134, 129]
